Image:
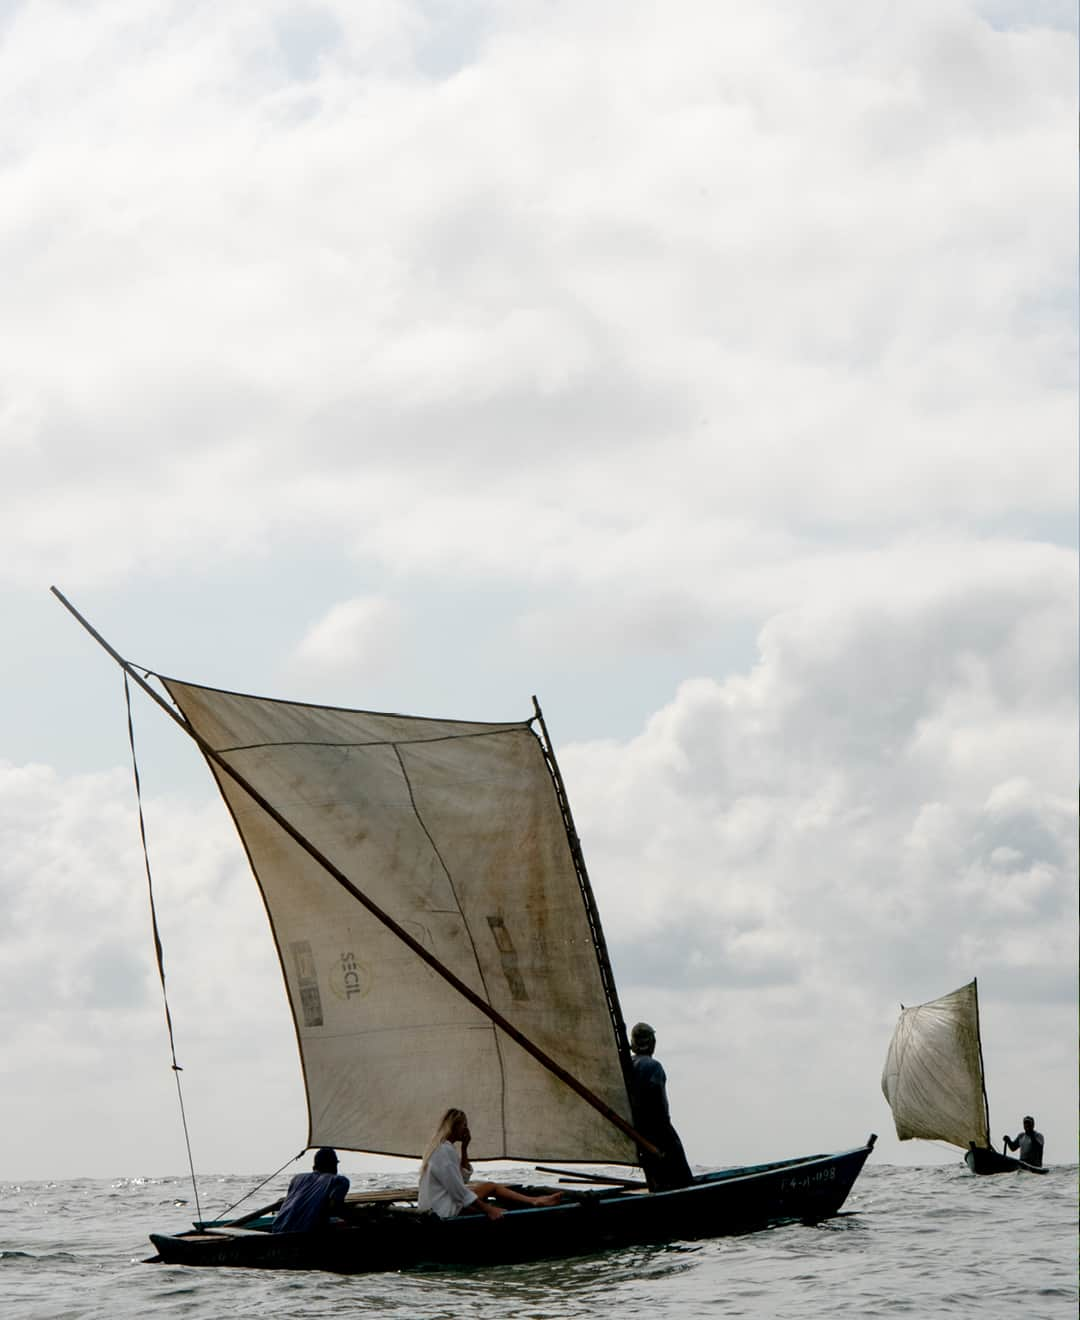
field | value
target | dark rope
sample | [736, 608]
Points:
[159, 952]
[230, 1208]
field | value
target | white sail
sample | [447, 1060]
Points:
[454, 830]
[933, 1076]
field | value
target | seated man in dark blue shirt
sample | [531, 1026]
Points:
[648, 1099]
[313, 1197]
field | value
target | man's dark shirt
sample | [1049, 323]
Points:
[650, 1093]
[648, 1098]
[309, 1202]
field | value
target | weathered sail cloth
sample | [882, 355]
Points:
[454, 830]
[933, 1078]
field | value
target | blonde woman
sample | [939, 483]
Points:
[443, 1172]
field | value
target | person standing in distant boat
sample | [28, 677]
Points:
[313, 1197]
[648, 1099]
[1029, 1143]
[443, 1172]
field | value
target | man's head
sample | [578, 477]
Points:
[326, 1160]
[642, 1038]
[1029, 1123]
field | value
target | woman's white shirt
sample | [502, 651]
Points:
[442, 1188]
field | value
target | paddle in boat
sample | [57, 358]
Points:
[440, 945]
[934, 1080]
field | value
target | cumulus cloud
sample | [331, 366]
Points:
[80, 1000]
[801, 296]
[884, 747]
[357, 637]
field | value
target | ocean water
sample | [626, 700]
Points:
[921, 1242]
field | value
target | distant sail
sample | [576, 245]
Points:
[454, 829]
[933, 1077]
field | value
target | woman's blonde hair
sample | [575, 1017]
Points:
[441, 1134]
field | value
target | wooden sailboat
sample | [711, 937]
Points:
[440, 944]
[934, 1080]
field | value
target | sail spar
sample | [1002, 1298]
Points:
[933, 1075]
[454, 829]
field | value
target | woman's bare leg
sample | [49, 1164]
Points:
[510, 1197]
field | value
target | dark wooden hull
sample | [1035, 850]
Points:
[387, 1238]
[980, 1159]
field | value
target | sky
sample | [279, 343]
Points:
[707, 370]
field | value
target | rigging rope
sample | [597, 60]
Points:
[230, 1208]
[159, 952]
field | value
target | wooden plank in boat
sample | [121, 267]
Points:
[382, 1194]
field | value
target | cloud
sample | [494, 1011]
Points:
[80, 999]
[355, 637]
[801, 298]
[890, 766]
[74, 879]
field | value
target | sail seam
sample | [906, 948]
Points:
[375, 742]
[468, 932]
[361, 1033]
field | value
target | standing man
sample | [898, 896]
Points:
[648, 1100]
[1029, 1143]
[313, 1197]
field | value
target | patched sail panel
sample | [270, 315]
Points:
[933, 1077]
[454, 830]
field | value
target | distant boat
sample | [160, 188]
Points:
[440, 945]
[934, 1080]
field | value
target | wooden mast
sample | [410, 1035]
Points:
[377, 912]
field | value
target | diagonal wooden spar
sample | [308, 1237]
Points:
[377, 912]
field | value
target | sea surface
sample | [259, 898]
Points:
[911, 1242]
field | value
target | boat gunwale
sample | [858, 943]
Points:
[606, 1196]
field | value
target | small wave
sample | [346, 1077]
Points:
[48, 1258]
